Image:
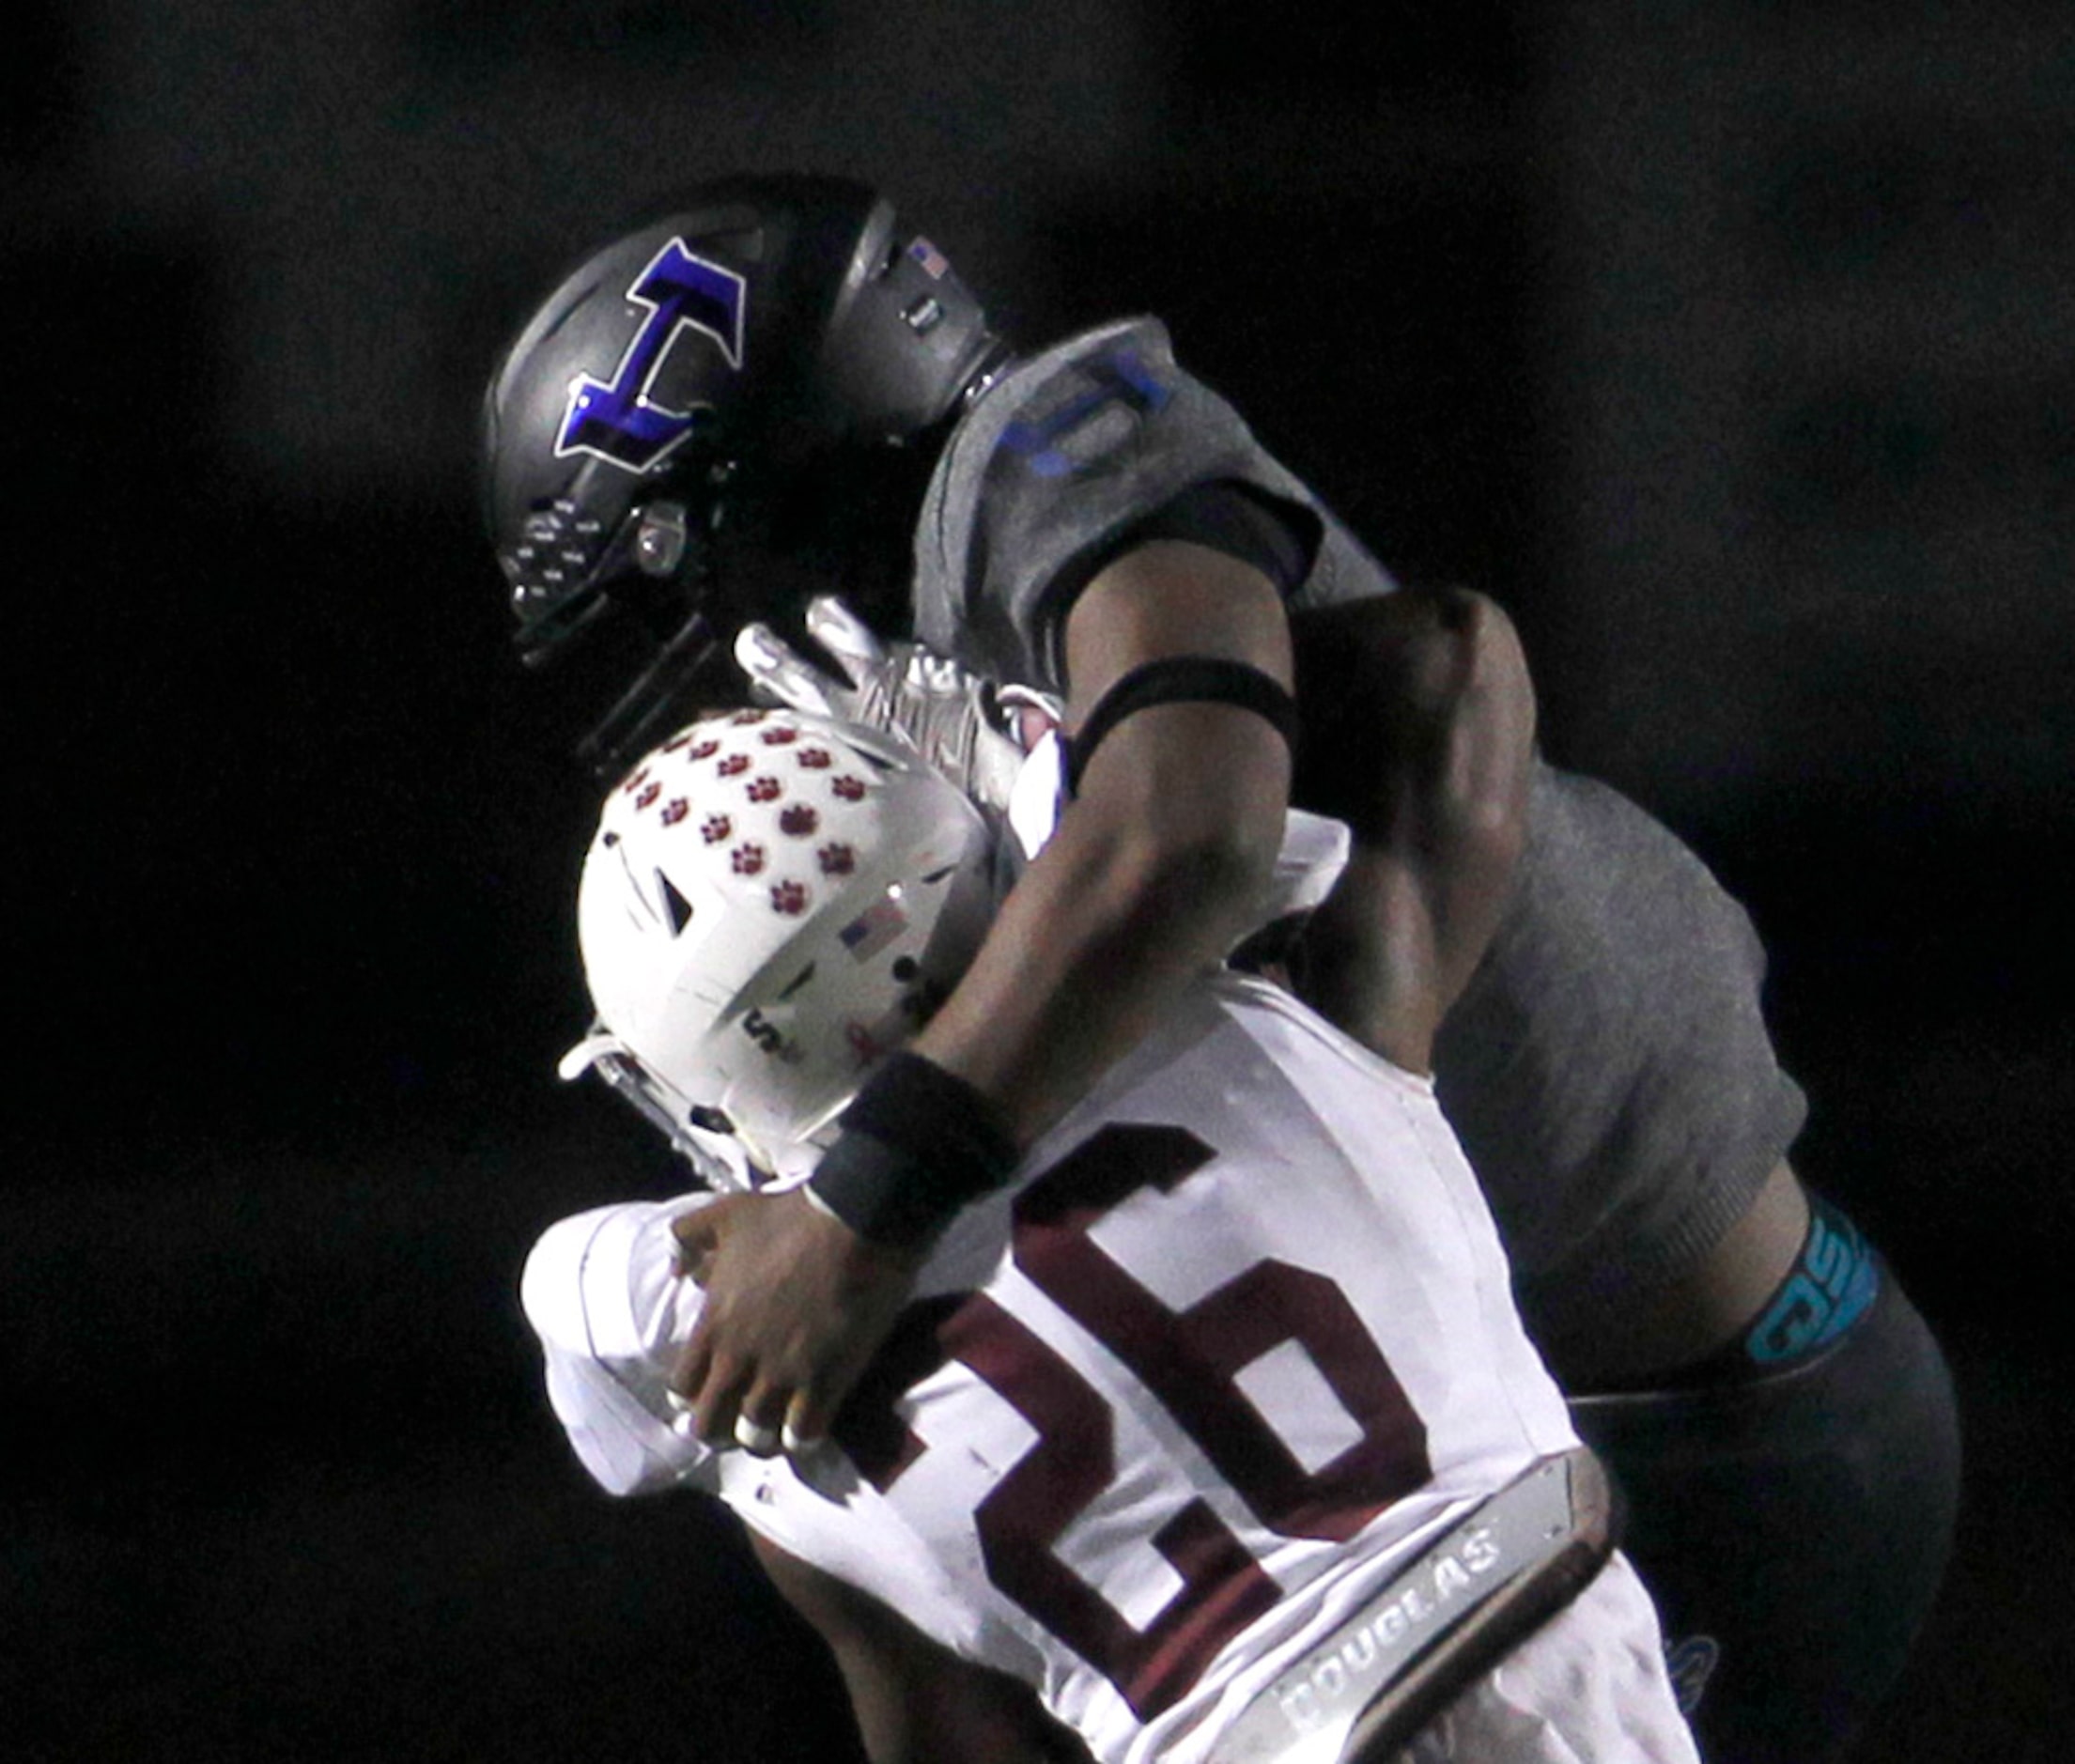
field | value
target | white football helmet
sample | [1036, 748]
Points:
[773, 902]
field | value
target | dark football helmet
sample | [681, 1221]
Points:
[740, 380]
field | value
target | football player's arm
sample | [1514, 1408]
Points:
[1156, 869]
[915, 1702]
[1420, 733]
[1158, 866]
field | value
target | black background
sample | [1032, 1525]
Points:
[293, 840]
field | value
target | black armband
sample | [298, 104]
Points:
[917, 1145]
[1177, 679]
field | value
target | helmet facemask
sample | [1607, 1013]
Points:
[721, 413]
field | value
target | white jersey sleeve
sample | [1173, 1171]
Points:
[602, 1293]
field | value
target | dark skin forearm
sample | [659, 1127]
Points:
[1156, 869]
[1419, 722]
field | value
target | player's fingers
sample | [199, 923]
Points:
[696, 1242]
[813, 1410]
[805, 1431]
[755, 1438]
[717, 1400]
[694, 1366]
[757, 1425]
[776, 668]
[833, 624]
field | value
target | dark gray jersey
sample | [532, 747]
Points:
[1055, 464]
[1608, 1068]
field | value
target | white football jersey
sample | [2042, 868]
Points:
[1234, 1347]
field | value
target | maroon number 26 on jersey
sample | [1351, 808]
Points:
[1186, 1361]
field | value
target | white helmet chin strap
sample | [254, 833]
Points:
[722, 1160]
[587, 1053]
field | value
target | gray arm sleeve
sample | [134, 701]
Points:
[1054, 465]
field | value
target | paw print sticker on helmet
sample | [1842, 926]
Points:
[850, 897]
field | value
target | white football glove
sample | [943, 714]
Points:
[952, 717]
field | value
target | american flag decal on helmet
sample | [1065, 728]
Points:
[865, 935]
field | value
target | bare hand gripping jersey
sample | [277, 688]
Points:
[1609, 1071]
[1235, 1346]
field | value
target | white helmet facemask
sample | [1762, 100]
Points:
[772, 903]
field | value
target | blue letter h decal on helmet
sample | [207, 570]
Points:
[615, 420]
